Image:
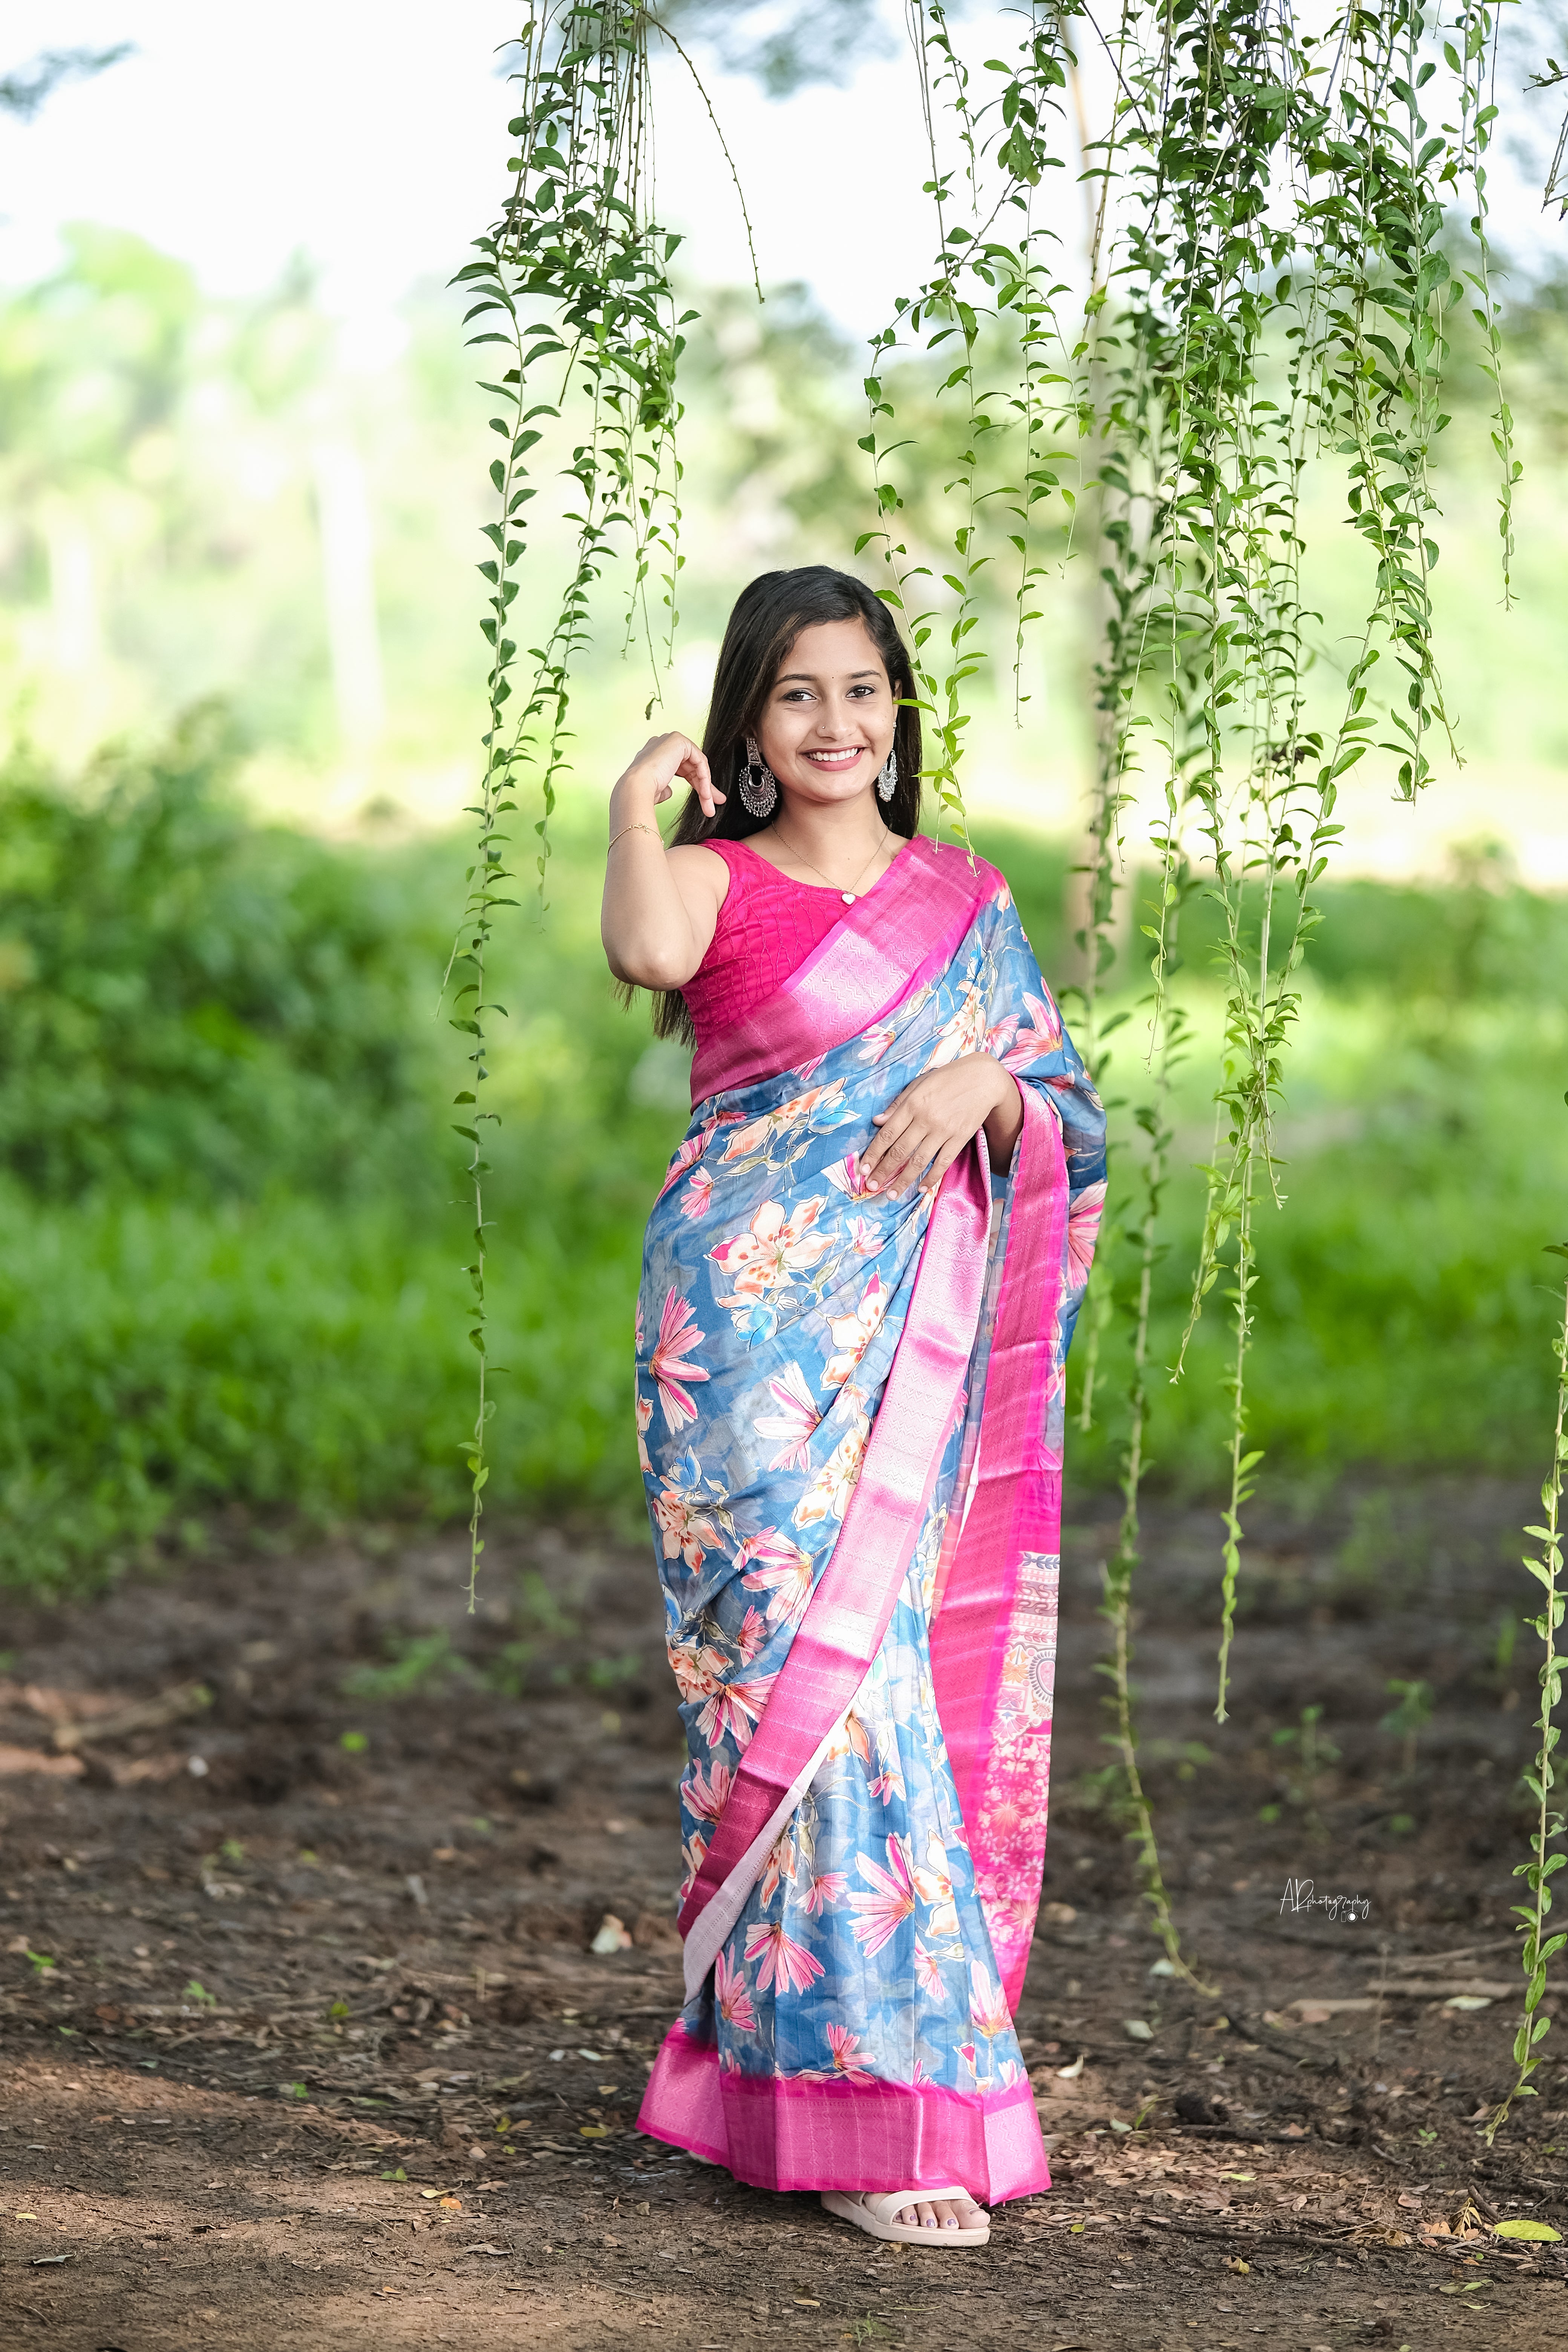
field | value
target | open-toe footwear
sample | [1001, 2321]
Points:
[873, 2212]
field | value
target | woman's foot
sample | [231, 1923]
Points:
[941, 2216]
[942, 2213]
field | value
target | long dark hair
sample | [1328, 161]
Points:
[767, 618]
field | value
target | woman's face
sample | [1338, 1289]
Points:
[828, 725]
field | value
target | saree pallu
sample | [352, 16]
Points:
[849, 1413]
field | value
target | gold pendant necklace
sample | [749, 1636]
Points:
[849, 896]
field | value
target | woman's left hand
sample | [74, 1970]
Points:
[926, 1127]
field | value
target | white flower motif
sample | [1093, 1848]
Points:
[781, 1571]
[852, 1333]
[797, 1418]
[963, 1031]
[770, 1252]
[828, 1496]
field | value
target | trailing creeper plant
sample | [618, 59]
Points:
[1537, 1872]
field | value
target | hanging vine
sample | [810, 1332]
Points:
[988, 305]
[572, 287]
[1266, 288]
[1271, 291]
[1537, 1872]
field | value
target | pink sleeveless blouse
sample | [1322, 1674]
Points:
[767, 926]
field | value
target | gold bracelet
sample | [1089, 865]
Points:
[637, 827]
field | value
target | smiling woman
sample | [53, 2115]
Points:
[839, 1283]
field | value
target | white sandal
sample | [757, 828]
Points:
[873, 2212]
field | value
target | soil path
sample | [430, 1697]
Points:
[304, 2043]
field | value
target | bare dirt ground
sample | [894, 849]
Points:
[304, 2043]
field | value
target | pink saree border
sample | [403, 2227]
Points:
[880, 951]
[1014, 1510]
[780, 2132]
[853, 1603]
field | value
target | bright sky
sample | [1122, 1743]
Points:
[371, 137]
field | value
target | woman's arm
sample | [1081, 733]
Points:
[660, 907]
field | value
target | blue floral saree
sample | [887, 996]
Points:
[849, 1411]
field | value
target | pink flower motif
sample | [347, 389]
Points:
[847, 1177]
[731, 1996]
[828, 1886]
[698, 1195]
[753, 1632]
[928, 1975]
[966, 2052]
[891, 1902]
[876, 1042]
[864, 1235]
[853, 1334]
[734, 1709]
[685, 1527]
[1009, 2073]
[782, 1571]
[988, 2010]
[1083, 1232]
[707, 1791]
[1043, 1035]
[695, 1667]
[772, 1251]
[795, 1420]
[689, 1148]
[784, 1961]
[846, 2054]
[644, 1415]
[678, 1335]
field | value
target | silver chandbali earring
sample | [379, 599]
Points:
[759, 786]
[888, 777]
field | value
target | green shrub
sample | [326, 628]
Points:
[194, 1003]
[231, 1242]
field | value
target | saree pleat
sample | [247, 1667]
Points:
[849, 1414]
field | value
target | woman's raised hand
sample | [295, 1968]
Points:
[662, 759]
[923, 1131]
[660, 906]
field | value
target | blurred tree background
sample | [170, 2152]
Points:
[240, 674]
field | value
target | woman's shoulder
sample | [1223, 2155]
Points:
[704, 864]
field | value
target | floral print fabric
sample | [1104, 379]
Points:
[773, 1297]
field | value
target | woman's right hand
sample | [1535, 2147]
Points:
[662, 759]
[660, 906]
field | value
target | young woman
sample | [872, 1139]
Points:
[861, 1280]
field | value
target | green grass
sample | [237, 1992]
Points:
[296, 1350]
[293, 1356]
[1406, 1303]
